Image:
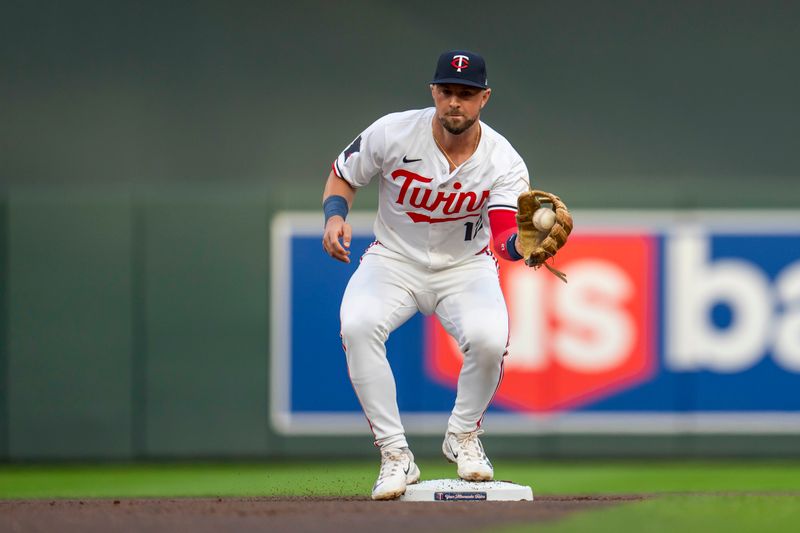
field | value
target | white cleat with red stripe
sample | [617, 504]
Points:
[466, 450]
[397, 470]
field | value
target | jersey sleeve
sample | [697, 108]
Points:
[503, 226]
[362, 159]
[509, 186]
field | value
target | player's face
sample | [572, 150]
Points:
[458, 106]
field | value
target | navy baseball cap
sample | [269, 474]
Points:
[462, 67]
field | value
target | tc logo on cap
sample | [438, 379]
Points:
[460, 67]
[460, 62]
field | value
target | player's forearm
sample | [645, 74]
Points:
[336, 186]
[503, 226]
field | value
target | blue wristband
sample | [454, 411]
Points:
[511, 247]
[333, 206]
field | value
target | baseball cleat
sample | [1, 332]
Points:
[397, 470]
[466, 450]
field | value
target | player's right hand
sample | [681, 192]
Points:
[335, 229]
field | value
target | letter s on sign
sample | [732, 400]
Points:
[597, 331]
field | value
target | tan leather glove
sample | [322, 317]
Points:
[537, 246]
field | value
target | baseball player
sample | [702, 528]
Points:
[447, 182]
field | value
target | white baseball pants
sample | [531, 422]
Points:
[383, 293]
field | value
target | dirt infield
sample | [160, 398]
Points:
[295, 514]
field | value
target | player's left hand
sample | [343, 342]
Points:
[336, 229]
[537, 246]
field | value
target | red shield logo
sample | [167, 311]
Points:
[573, 343]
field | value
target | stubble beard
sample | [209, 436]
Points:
[457, 130]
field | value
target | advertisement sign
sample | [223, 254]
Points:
[671, 322]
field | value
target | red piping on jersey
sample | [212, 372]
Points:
[502, 361]
[486, 250]
[372, 429]
[499, 381]
[373, 243]
[503, 224]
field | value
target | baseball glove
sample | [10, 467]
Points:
[537, 246]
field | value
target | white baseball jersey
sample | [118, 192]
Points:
[428, 214]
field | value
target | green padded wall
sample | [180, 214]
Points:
[4, 378]
[69, 335]
[134, 322]
[205, 279]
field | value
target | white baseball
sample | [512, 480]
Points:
[544, 218]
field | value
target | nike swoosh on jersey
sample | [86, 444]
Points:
[407, 160]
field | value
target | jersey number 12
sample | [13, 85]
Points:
[471, 229]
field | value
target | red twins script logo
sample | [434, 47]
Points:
[460, 62]
[452, 202]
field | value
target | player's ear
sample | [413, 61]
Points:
[485, 97]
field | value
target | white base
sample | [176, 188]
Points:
[443, 490]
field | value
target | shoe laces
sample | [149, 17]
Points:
[392, 462]
[470, 445]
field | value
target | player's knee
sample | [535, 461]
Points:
[361, 328]
[487, 347]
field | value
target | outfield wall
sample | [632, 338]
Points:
[140, 324]
[145, 148]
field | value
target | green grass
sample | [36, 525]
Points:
[684, 514]
[350, 478]
[292, 479]
[654, 476]
[731, 496]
